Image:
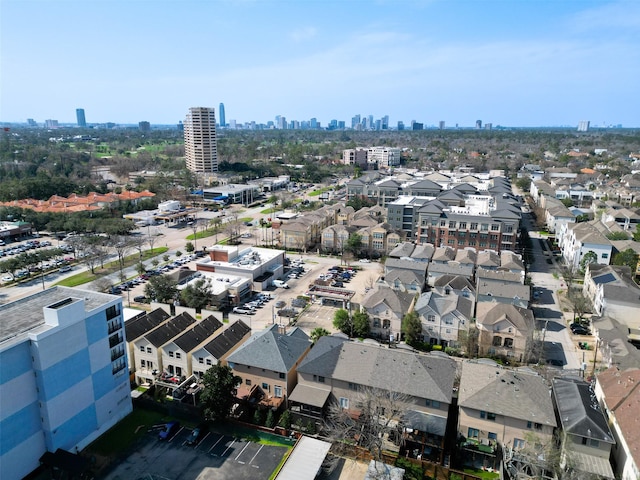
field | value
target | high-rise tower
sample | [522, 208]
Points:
[223, 120]
[200, 144]
[82, 121]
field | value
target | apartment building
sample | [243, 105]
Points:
[64, 375]
[200, 142]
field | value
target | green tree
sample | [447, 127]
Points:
[342, 321]
[636, 234]
[285, 419]
[161, 288]
[257, 417]
[218, 395]
[588, 258]
[318, 332]
[197, 294]
[189, 247]
[361, 324]
[524, 184]
[270, 422]
[354, 244]
[412, 329]
[627, 257]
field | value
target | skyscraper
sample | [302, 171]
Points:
[200, 144]
[223, 120]
[583, 125]
[82, 121]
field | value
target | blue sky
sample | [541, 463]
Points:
[509, 62]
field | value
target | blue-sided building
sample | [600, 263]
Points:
[63, 374]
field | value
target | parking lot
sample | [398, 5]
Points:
[215, 457]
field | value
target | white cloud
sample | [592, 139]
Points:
[303, 34]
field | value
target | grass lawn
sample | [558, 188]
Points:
[257, 436]
[315, 193]
[86, 277]
[246, 219]
[125, 433]
[203, 234]
[267, 211]
[482, 474]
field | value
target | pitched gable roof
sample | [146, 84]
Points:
[223, 343]
[198, 333]
[170, 329]
[272, 350]
[490, 313]
[506, 392]
[423, 376]
[579, 411]
[398, 302]
[138, 326]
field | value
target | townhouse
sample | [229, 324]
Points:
[386, 307]
[340, 372]
[578, 239]
[217, 350]
[267, 364]
[501, 408]
[505, 330]
[586, 439]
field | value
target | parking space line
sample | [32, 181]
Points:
[214, 445]
[203, 439]
[254, 457]
[176, 434]
[245, 447]
[230, 445]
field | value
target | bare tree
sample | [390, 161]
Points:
[232, 228]
[122, 246]
[372, 422]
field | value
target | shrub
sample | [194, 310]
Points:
[257, 417]
[271, 420]
[285, 420]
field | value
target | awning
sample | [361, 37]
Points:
[425, 422]
[316, 397]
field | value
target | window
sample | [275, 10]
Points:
[463, 225]
[491, 416]
[376, 322]
[171, 354]
[518, 443]
[247, 382]
[452, 224]
[386, 324]
[344, 402]
[538, 426]
[142, 348]
[492, 436]
[432, 403]
[281, 375]
[143, 364]
[352, 386]
[431, 318]
[508, 342]
[605, 255]
[448, 321]
[200, 360]
[473, 433]
[484, 227]
[277, 391]
[474, 226]
[178, 355]
[321, 379]
[451, 241]
[148, 349]
[443, 223]
[495, 227]
[529, 424]
[209, 361]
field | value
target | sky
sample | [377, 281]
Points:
[521, 63]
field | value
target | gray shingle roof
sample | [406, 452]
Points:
[403, 249]
[198, 333]
[399, 302]
[579, 411]
[490, 313]
[406, 264]
[506, 392]
[169, 330]
[424, 376]
[220, 345]
[272, 350]
[136, 327]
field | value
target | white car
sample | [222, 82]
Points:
[7, 278]
[364, 260]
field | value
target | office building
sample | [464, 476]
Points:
[51, 124]
[441, 125]
[82, 121]
[31, 122]
[144, 126]
[355, 121]
[478, 124]
[64, 378]
[200, 144]
[223, 119]
[583, 125]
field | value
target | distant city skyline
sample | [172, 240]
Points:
[516, 64]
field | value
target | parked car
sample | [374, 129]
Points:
[288, 312]
[140, 299]
[170, 429]
[364, 260]
[280, 283]
[197, 434]
[65, 269]
[578, 329]
[243, 311]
